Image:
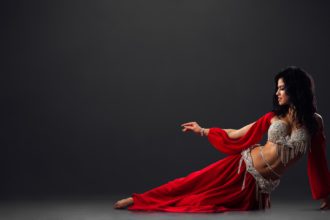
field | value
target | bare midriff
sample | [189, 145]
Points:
[270, 155]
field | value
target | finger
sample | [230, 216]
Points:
[323, 206]
[188, 123]
[188, 127]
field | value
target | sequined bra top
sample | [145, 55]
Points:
[288, 146]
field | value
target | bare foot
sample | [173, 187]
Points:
[121, 204]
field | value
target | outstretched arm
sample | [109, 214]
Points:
[232, 133]
[230, 141]
[238, 140]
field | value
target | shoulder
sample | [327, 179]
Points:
[271, 116]
[318, 117]
[319, 120]
[268, 117]
[274, 118]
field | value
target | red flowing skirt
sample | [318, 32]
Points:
[215, 188]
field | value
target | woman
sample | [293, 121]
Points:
[245, 179]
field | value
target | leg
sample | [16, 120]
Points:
[215, 188]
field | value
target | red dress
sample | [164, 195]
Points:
[218, 187]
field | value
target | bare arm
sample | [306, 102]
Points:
[232, 133]
[239, 132]
[228, 130]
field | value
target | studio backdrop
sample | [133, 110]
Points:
[94, 92]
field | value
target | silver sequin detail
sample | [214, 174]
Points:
[262, 185]
[288, 147]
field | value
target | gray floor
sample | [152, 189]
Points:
[99, 209]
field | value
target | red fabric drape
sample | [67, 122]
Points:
[215, 188]
[317, 169]
[221, 141]
[218, 187]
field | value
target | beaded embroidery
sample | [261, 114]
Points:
[262, 185]
[288, 147]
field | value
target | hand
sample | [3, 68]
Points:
[191, 126]
[325, 204]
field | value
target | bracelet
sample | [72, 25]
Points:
[202, 131]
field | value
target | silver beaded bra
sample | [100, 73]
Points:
[288, 146]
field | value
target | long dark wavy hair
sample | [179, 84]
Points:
[299, 86]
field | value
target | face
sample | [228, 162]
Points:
[282, 97]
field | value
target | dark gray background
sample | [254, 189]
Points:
[93, 92]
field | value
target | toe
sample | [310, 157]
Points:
[116, 205]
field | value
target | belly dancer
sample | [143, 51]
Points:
[245, 179]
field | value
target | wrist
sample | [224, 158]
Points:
[202, 132]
